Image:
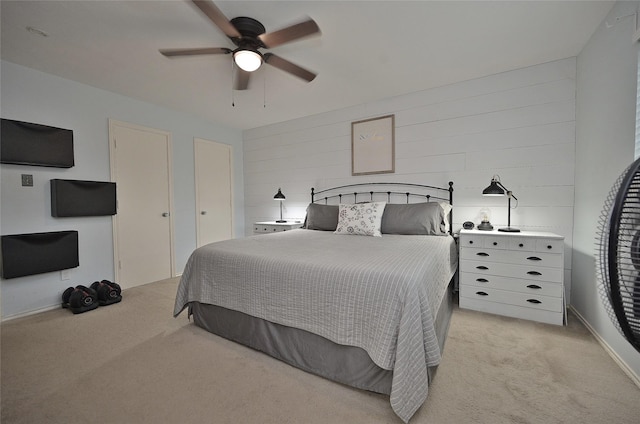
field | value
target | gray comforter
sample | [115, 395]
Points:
[376, 293]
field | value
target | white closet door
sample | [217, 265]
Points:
[143, 226]
[214, 199]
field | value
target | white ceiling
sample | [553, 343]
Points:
[368, 50]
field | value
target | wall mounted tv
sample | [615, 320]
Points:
[82, 198]
[24, 143]
[36, 253]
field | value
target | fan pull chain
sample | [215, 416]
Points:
[264, 90]
[233, 76]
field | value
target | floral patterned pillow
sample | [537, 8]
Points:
[362, 219]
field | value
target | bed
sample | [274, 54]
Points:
[370, 311]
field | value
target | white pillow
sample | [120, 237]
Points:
[361, 219]
[446, 207]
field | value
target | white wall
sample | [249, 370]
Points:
[605, 124]
[33, 96]
[518, 124]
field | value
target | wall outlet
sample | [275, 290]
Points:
[27, 180]
[65, 274]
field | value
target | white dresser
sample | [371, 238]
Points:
[514, 274]
[274, 227]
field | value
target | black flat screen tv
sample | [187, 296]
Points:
[82, 198]
[24, 143]
[36, 253]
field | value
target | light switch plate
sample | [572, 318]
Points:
[27, 180]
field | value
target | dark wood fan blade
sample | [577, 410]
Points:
[241, 79]
[217, 17]
[288, 34]
[287, 66]
[191, 52]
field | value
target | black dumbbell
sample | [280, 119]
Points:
[80, 299]
[114, 286]
[107, 291]
[65, 296]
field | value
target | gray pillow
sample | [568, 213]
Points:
[322, 217]
[414, 219]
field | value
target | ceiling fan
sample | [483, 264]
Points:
[250, 36]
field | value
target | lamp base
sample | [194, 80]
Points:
[485, 226]
[280, 221]
[509, 230]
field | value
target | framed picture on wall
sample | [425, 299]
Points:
[373, 146]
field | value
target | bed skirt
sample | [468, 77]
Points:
[348, 365]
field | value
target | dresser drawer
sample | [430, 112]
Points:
[544, 288]
[534, 273]
[470, 240]
[518, 257]
[550, 246]
[522, 243]
[532, 244]
[540, 315]
[547, 303]
[481, 240]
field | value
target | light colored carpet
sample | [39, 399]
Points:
[133, 362]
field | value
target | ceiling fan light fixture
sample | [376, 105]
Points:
[247, 60]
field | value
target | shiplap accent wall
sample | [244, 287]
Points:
[518, 124]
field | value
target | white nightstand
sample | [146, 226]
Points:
[519, 275]
[274, 227]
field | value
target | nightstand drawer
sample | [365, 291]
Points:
[543, 288]
[274, 227]
[547, 303]
[544, 259]
[535, 273]
[267, 229]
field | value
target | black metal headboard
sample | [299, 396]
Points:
[394, 191]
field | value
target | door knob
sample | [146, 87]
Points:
[165, 214]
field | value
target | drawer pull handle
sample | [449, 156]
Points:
[482, 267]
[536, 301]
[482, 254]
[495, 243]
[481, 293]
[549, 246]
[534, 273]
[470, 241]
[521, 245]
[534, 286]
[534, 258]
[482, 280]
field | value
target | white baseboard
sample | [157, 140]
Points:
[28, 313]
[618, 360]
[45, 309]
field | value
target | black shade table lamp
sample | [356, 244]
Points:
[497, 189]
[279, 196]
